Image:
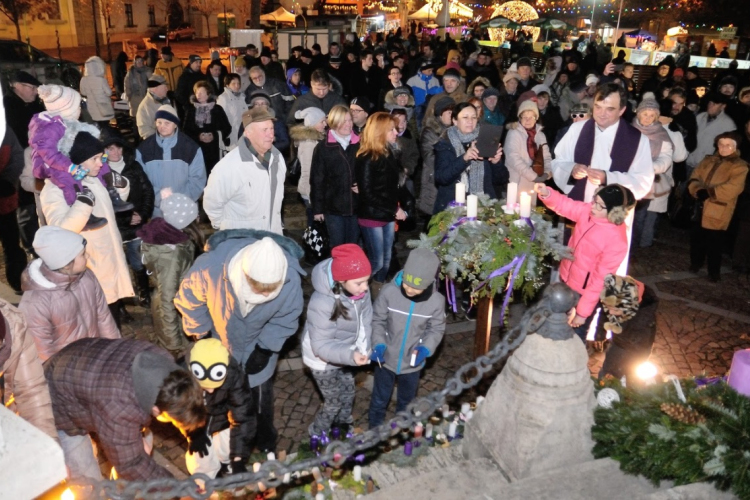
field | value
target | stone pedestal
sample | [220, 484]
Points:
[539, 411]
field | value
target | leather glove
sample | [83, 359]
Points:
[257, 360]
[422, 354]
[378, 353]
[85, 195]
[199, 441]
[115, 180]
[238, 466]
[702, 194]
[77, 171]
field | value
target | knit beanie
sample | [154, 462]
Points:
[179, 210]
[648, 104]
[167, 112]
[209, 363]
[443, 104]
[349, 262]
[452, 73]
[61, 101]
[421, 268]
[84, 147]
[489, 92]
[592, 80]
[402, 90]
[264, 261]
[528, 105]
[510, 75]
[57, 247]
[615, 195]
[312, 116]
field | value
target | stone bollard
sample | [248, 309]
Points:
[538, 413]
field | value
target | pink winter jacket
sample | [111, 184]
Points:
[61, 309]
[599, 248]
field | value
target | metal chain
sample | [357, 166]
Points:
[272, 472]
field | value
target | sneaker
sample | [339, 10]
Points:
[95, 223]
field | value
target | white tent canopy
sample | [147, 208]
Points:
[280, 15]
[427, 12]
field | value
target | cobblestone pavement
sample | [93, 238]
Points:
[700, 324]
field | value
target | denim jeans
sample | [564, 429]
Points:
[133, 254]
[342, 229]
[644, 223]
[378, 245]
[382, 388]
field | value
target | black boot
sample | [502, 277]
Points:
[141, 285]
[114, 309]
[95, 223]
[125, 316]
[114, 181]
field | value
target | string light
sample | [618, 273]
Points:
[518, 12]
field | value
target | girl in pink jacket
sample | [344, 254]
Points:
[599, 243]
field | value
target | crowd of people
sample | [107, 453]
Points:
[382, 133]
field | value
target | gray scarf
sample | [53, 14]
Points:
[473, 176]
[202, 111]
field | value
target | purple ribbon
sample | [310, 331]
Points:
[450, 290]
[455, 204]
[458, 223]
[700, 382]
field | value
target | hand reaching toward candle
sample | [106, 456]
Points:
[495, 159]
[541, 189]
[579, 171]
[577, 321]
[472, 153]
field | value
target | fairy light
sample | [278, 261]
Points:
[518, 12]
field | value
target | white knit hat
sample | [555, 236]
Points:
[62, 101]
[592, 80]
[57, 247]
[312, 116]
[264, 261]
[179, 210]
[528, 105]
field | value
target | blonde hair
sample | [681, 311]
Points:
[337, 115]
[373, 141]
[259, 287]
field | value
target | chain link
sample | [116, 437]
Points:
[272, 472]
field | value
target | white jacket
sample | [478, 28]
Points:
[707, 132]
[104, 253]
[242, 194]
[517, 158]
[97, 91]
[233, 106]
[663, 185]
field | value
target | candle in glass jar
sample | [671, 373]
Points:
[452, 429]
[460, 193]
[418, 430]
[472, 202]
[525, 204]
[510, 199]
[408, 448]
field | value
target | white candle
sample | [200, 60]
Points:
[525, 204]
[271, 455]
[480, 400]
[446, 411]
[452, 429]
[510, 199]
[357, 473]
[460, 192]
[256, 466]
[320, 496]
[287, 478]
[428, 431]
[471, 205]
[465, 408]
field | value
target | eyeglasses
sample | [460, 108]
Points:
[599, 206]
[578, 115]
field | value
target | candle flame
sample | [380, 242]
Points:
[67, 495]
[646, 371]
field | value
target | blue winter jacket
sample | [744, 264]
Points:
[423, 86]
[209, 305]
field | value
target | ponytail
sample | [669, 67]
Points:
[339, 309]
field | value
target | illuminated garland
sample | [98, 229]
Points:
[515, 11]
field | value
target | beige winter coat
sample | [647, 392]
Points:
[25, 384]
[61, 309]
[95, 88]
[305, 139]
[104, 249]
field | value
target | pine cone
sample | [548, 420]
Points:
[682, 413]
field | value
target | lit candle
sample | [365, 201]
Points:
[471, 205]
[428, 431]
[452, 429]
[510, 199]
[357, 473]
[256, 466]
[418, 429]
[525, 204]
[460, 193]
[407, 448]
[465, 408]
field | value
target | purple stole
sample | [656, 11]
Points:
[623, 152]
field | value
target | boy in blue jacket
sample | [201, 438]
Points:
[408, 323]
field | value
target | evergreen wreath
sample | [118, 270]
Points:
[653, 433]
[470, 251]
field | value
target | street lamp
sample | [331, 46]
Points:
[618, 19]
[593, 9]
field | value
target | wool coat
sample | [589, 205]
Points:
[724, 179]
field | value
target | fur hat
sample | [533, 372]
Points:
[618, 199]
[349, 262]
[167, 112]
[179, 210]
[312, 116]
[421, 268]
[57, 247]
[621, 292]
[528, 105]
[61, 101]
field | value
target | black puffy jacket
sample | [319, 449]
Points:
[378, 187]
[141, 196]
[332, 175]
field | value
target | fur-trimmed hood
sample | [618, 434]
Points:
[287, 244]
[480, 79]
[390, 99]
[300, 133]
[95, 66]
[72, 129]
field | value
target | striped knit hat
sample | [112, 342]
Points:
[61, 101]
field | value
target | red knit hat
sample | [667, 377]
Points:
[349, 263]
